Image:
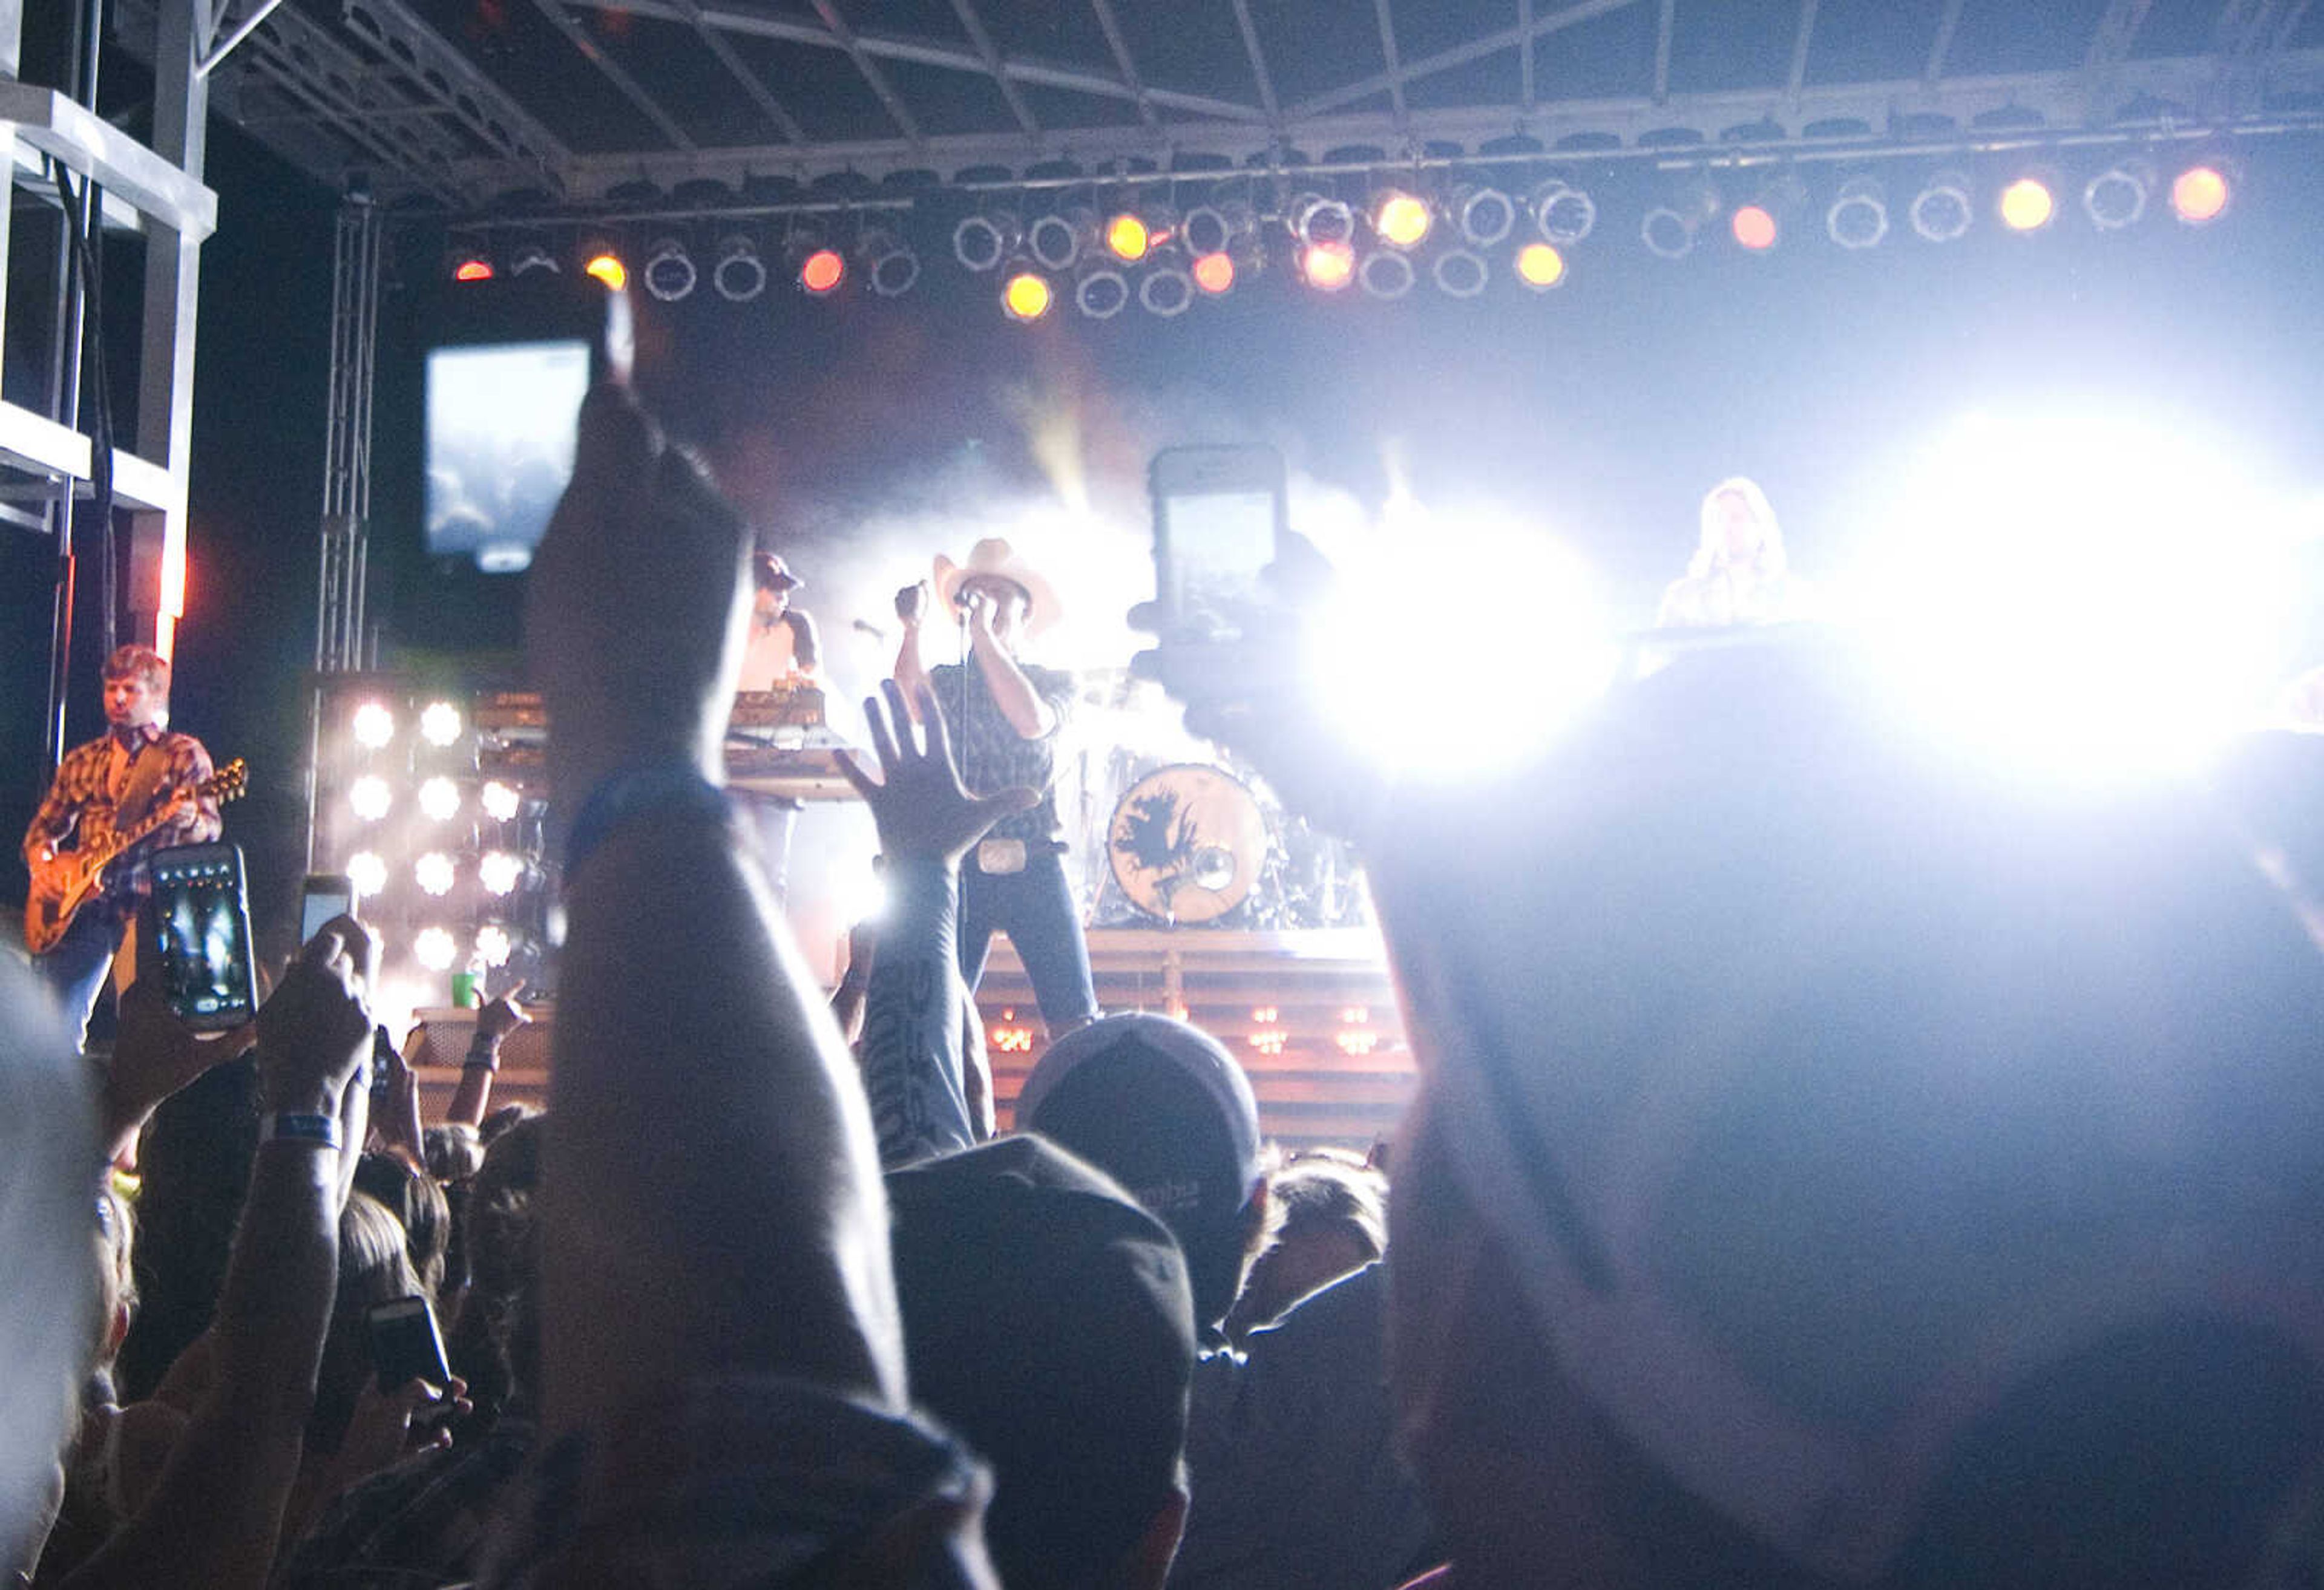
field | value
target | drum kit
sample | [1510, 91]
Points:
[1176, 831]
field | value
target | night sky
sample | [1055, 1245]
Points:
[1605, 409]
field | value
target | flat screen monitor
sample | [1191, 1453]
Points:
[499, 446]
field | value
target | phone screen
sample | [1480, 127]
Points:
[405, 1344]
[201, 914]
[1217, 543]
[324, 899]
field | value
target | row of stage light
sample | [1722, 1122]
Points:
[1166, 259]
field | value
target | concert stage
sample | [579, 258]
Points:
[1308, 1012]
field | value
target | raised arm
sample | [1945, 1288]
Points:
[494, 1022]
[214, 1516]
[1028, 711]
[750, 1235]
[911, 670]
[911, 1055]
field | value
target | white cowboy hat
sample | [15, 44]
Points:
[994, 558]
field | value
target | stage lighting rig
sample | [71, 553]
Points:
[1484, 216]
[1167, 289]
[1400, 219]
[1101, 292]
[1126, 237]
[2199, 193]
[895, 267]
[1214, 273]
[600, 260]
[983, 241]
[821, 271]
[531, 255]
[1026, 294]
[1759, 225]
[1563, 212]
[467, 262]
[1540, 266]
[1318, 220]
[1386, 273]
[1328, 267]
[1218, 228]
[1461, 273]
[1056, 240]
[740, 275]
[2028, 203]
[1669, 227]
[2117, 196]
[1858, 216]
[670, 274]
[372, 725]
[1944, 209]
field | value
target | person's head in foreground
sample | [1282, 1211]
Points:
[1163, 1109]
[1837, 1166]
[1047, 1321]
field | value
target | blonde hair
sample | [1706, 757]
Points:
[1710, 550]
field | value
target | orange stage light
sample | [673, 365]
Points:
[2198, 194]
[1027, 296]
[1401, 221]
[2027, 204]
[473, 269]
[608, 269]
[1328, 266]
[1540, 266]
[1214, 273]
[821, 272]
[1753, 226]
[1127, 238]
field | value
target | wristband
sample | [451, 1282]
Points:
[671, 790]
[483, 1050]
[314, 1131]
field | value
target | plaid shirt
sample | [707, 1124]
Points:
[415, 1526]
[84, 803]
[994, 757]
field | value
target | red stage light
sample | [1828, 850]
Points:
[1214, 273]
[1753, 226]
[821, 272]
[473, 269]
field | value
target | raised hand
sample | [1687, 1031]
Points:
[912, 602]
[501, 1017]
[921, 808]
[316, 1031]
[635, 612]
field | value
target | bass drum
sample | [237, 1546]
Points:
[1187, 843]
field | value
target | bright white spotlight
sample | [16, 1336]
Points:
[434, 948]
[493, 943]
[439, 798]
[500, 872]
[374, 725]
[371, 796]
[1484, 677]
[434, 873]
[439, 723]
[367, 873]
[2081, 597]
[501, 801]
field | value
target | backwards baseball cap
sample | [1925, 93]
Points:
[1163, 1109]
[1824, 1095]
[1047, 1321]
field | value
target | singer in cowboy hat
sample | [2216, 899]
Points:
[1004, 715]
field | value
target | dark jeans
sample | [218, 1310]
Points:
[1035, 908]
[76, 970]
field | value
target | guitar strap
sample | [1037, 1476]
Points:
[143, 784]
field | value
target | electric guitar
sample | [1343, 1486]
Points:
[61, 887]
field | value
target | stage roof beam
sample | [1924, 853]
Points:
[614, 72]
[973, 25]
[1941, 48]
[1117, 41]
[420, 55]
[897, 112]
[1665, 25]
[1388, 55]
[1801, 40]
[740, 70]
[1258, 55]
[1459, 55]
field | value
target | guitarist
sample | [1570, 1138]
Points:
[104, 787]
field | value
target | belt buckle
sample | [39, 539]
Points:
[999, 857]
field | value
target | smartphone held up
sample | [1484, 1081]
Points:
[199, 918]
